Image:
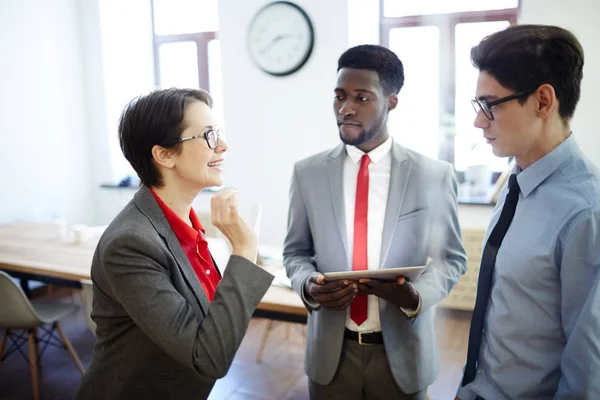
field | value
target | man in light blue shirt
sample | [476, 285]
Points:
[540, 320]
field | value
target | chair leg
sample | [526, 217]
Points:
[70, 348]
[37, 345]
[82, 298]
[73, 295]
[287, 330]
[33, 364]
[3, 343]
[263, 342]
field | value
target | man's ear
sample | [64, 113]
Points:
[392, 102]
[546, 100]
[163, 157]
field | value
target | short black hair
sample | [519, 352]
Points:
[155, 119]
[524, 57]
[379, 59]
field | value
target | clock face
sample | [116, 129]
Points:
[280, 38]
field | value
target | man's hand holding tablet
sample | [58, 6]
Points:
[390, 284]
[388, 274]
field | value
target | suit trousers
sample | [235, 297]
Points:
[363, 373]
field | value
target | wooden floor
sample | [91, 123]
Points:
[280, 376]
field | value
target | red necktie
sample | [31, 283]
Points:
[358, 310]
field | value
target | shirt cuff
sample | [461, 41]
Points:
[307, 298]
[413, 313]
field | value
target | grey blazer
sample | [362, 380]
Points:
[420, 223]
[158, 337]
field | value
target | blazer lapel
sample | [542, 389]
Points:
[399, 177]
[335, 175]
[146, 202]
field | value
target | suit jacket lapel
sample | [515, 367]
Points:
[147, 204]
[335, 175]
[399, 177]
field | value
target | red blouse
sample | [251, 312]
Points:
[194, 246]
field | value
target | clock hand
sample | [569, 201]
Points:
[274, 41]
[281, 37]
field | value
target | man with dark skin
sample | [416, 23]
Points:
[371, 204]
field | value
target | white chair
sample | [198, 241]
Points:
[18, 313]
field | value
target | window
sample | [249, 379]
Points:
[186, 48]
[433, 38]
[124, 33]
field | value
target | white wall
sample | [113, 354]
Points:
[43, 131]
[272, 122]
[363, 22]
[581, 18]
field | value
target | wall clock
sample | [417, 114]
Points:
[280, 38]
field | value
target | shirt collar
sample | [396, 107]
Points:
[185, 233]
[531, 177]
[375, 155]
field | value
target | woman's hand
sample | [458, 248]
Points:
[225, 217]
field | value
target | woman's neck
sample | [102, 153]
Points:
[179, 200]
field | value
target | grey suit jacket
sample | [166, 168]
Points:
[420, 222]
[158, 337]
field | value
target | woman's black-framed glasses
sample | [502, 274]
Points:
[211, 136]
[486, 106]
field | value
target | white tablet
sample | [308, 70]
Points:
[388, 274]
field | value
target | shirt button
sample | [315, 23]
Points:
[479, 371]
[208, 272]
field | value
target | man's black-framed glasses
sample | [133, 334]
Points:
[486, 106]
[211, 136]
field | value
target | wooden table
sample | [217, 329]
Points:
[35, 250]
[281, 303]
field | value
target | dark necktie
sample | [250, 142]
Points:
[486, 272]
[359, 307]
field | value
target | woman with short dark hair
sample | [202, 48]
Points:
[168, 323]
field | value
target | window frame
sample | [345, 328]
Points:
[202, 39]
[447, 28]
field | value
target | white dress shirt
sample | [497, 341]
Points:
[379, 185]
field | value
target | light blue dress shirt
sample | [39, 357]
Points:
[541, 337]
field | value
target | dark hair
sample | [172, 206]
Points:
[155, 119]
[524, 57]
[379, 59]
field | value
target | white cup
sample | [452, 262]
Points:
[62, 231]
[80, 233]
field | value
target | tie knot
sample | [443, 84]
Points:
[513, 185]
[365, 161]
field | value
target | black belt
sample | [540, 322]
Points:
[364, 338]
